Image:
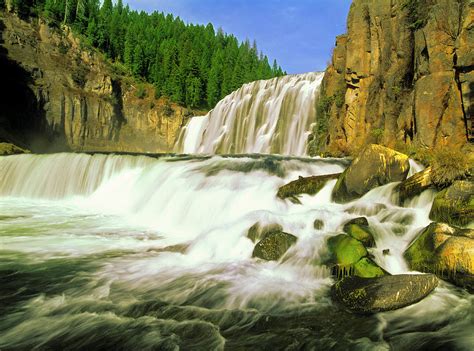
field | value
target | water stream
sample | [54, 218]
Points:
[143, 253]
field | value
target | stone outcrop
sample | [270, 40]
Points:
[372, 295]
[10, 149]
[402, 75]
[375, 166]
[446, 251]
[59, 94]
[274, 245]
[455, 204]
[304, 185]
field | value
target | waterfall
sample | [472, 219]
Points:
[268, 116]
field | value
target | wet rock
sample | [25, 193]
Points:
[308, 185]
[455, 204]
[10, 149]
[274, 245]
[375, 166]
[386, 252]
[362, 233]
[318, 224]
[345, 251]
[366, 268]
[446, 251]
[372, 295]
[359, 221]
[415, 185]
[258, 231]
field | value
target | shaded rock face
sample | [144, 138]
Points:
[446, 251]
[274, 245]
[375, 166]
[396, 83]
[304, 185]
[10, 149]
[372, 295]
[67, 97]
[455, 204]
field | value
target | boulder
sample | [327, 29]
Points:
[348, 256]
[455, 204]
[274, 245]
[372, 295]
[257, 231]
[361, 233]
[375, 166]
[309, 185]
[358, 221]
[446, 251]
[10, 149]
[415, 185]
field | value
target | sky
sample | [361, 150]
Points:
[299, 34]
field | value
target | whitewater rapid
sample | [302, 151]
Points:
[266, 117]
[154, 253]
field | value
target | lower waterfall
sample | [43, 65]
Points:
[269, 116]
[149, 253]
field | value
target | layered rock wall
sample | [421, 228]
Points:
[58, 94]
[402, 75]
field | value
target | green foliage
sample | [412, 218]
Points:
[191, 64]
[141, 92]
[449, 165]
[418, 12]
[377, 134]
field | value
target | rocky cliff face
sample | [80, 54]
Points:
[58, 95]
[402, 75]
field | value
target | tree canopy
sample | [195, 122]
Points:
[194, 65]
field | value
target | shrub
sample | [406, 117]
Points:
[449, 165]
[141, 92]
[377, 133]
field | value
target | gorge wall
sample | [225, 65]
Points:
[56, 94]
[402, 75]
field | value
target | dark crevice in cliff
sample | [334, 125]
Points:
[467, 115]
[119, 117]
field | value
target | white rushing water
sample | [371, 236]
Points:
[268, 116]
[136, 246]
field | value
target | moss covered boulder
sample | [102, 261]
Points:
[455, 204]
[446, 251]
[375, 166]
[274, 245]
[259, 231]
[359, 229]
[372, 295]
[304, 185]
[348, 256]
[10, 149]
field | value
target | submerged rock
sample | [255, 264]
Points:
[446, 251]
[372, 295]
[375, 166]
[455, 204]
[308, 185]
[10, 149]
[274, 245]
[257, 231]
[318, 224]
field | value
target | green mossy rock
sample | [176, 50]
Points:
[366, 268]
[446, 251]
[10, 149]
[308, 185]
[390, 292]
[258, 232]
[455, 204]
[375, 166]
[345, 251]
[274, 245]
[361, 233]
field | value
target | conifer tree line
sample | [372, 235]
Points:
[194, 65]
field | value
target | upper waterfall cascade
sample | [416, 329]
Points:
[267, 116]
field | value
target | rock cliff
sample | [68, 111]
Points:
[402, 75]
[58, 94]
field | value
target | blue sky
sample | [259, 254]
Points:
[300, 34]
